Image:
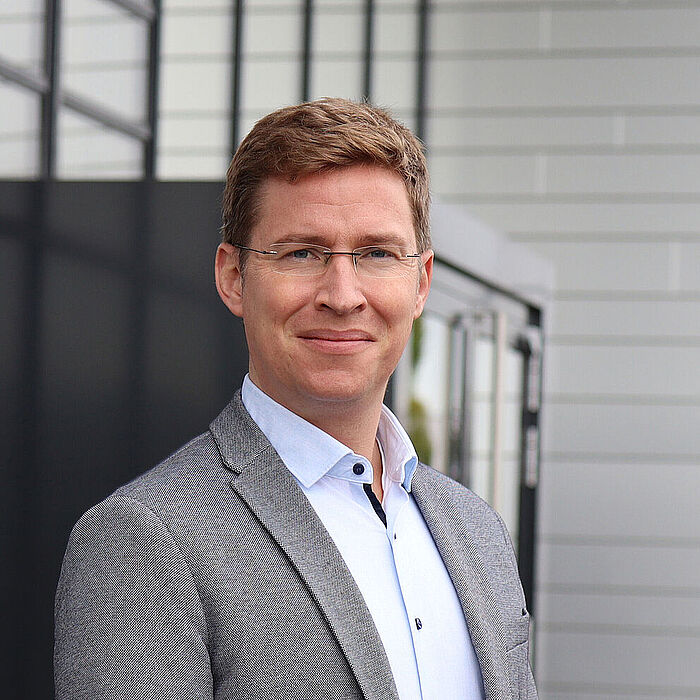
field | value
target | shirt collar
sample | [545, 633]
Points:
[309, 453]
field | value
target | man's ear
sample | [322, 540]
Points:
[228, 277]
[426, 277]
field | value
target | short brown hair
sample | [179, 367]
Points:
[318, 136]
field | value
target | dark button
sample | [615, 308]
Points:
[419, 624]
[394, 535]
[359, 469]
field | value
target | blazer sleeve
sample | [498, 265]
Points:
[129, 620]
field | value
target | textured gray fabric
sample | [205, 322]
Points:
[211, 576]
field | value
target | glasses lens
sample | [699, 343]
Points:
[307, 259]
[298, 258]
[383, 261]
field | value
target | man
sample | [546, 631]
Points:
[297, 549]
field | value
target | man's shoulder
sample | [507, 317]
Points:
[189, 467]
[441, 483]
[455, 499]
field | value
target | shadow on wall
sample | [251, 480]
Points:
[116, 349]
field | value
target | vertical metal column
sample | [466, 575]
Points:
[531, 348]
[368, 51]
[306, 42]
[236, 69]
[150, 145]
[422, 67]
[49, 102]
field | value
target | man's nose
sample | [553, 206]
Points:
[340, 287]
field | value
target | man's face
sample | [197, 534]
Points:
[338, 336]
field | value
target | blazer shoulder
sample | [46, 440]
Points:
[195, 468]
[461, 495]
[483, 521]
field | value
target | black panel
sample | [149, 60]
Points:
[115, 351]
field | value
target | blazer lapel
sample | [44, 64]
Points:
[470, 579]
[271, 492]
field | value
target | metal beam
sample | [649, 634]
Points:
[368, 50]
[105, 116]
[22, 77]
[150, 145]
[306, 42]
[139, 9]
[422, 67]
[49, 103]
[236, 66]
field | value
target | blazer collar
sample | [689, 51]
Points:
[270, 491]
[469, 576]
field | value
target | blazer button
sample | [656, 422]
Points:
[359, 469]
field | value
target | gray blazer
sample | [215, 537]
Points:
[211, 576]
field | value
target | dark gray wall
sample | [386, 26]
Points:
[114, 350]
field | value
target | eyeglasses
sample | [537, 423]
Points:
[308, 259]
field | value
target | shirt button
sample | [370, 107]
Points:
[419, 624]
[359, 469]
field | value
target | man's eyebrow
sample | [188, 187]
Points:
[362, 240]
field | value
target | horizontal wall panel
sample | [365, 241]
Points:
[660, 612]
[633, 371]
[337, 78]
[551, 691]
[482, 174]
[267, 86]
[623, 173]
[601, 660]
[605, 565]
[457, 31]
[601, 266]
[626, 27]
[563, 82]
[659, 432]
[394, 84]
[278, 32]
[193, 167]
[690, 265]
[626, 318]
[205, 132]
[661, 218]
[338, 31]
[609, 500]
[449, 132]
[670, 129]
[195, 85]
[199, 35]
[395, 31]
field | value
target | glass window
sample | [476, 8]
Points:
[19, 132]
[87, 149]
[104, 53]
[22, 33]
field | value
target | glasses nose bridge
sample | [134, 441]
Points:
[330, 253]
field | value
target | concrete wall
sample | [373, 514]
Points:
[573, 126]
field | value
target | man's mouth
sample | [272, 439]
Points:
[327, 340]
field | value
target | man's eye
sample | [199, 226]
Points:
[379, 254]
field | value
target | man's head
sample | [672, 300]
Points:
[315, 137]
[334, 215]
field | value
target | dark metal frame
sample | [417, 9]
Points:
[368, 51]
[422, 67]
[53, 96]
[236, 63]
[306, 46]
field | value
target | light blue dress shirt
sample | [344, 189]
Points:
[397, 568]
